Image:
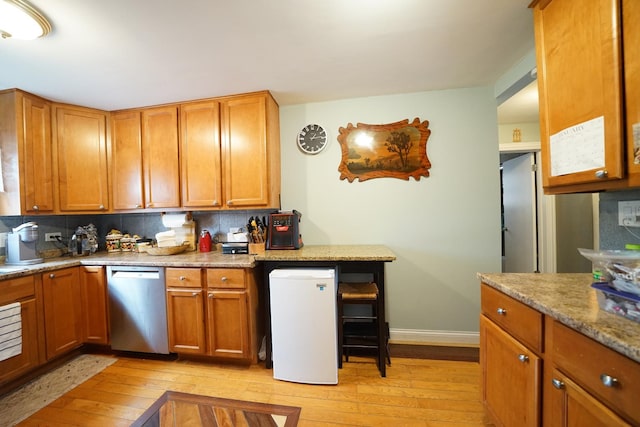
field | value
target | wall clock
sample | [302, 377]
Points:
[312, 139]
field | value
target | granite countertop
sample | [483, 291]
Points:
[331, 253]
[214, 259]
[570, 299]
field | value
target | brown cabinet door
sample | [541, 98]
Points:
[161, 166]
[93, 290]
[81, 152]
[38, 173]
[578, 47]
[228, 324]
[510, 377]
[62, 311]
[28, 359]
[200, 154]
[572, 406]
[185, 318]
[631, 36]
[126, 161]
[244, 148]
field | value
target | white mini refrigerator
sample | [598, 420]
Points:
[304, 338]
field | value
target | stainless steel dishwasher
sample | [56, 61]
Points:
[137, 309]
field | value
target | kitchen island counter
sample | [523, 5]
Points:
[569, 299]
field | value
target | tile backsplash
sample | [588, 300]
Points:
[143, 224]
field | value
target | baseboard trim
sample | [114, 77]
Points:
[426, 337]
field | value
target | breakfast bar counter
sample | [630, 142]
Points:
[347, 259]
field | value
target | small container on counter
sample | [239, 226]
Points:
[127, 244]
[113, 242]
[204, 244]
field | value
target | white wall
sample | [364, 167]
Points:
[443, 229]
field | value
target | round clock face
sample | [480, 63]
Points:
[312, 139]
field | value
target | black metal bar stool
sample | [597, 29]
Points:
[362, 330]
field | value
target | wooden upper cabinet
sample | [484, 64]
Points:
[631, 36]
[80, 144]
[579, 58]
[38, 173]
[27, 161]
[250, 151]
[200, 154]
[161, 167]
[126, 160]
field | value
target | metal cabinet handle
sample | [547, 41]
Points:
[502, 311]
[608, 380]
[224, 279]
[52, 276]
[101, 207]
[36, 207]
[194, 294]
[210, 294]
[559, 384]
[602, 174]
[182, 278]
[523, 358]
[149, 205]
[138, 206]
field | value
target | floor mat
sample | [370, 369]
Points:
[35, 395]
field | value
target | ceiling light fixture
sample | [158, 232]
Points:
[19, 20]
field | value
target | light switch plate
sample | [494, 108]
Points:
[629, 213]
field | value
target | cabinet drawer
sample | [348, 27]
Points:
[226, 278]
[585, 361]
[183, 278]
[520, 320]
[14, 289]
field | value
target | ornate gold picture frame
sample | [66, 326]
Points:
[395, 150]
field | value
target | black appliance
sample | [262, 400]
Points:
[284, 230]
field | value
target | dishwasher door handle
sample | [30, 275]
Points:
[151, 275]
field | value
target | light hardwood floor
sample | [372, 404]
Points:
[416, 392]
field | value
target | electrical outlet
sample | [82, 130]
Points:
[629, 213]
[52, 237]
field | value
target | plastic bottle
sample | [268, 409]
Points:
[205, 241]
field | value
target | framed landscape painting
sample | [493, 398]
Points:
[395, 150]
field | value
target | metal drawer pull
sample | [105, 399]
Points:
[523, 358]
[608, 380]
[502, 311]
[211, 295]
[182, 278]
[194, 294]
[557, 383]
[224, 279]
[601, 174]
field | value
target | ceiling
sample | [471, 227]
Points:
[118, 54]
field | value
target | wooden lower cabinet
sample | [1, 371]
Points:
[185, 316]
[93, 292]
[21, 290]
[228, 324]
[511, 376]
[223, 326]
[574, 407]
[62, 311]
[571, 380]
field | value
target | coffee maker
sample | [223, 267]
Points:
[21, 245]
